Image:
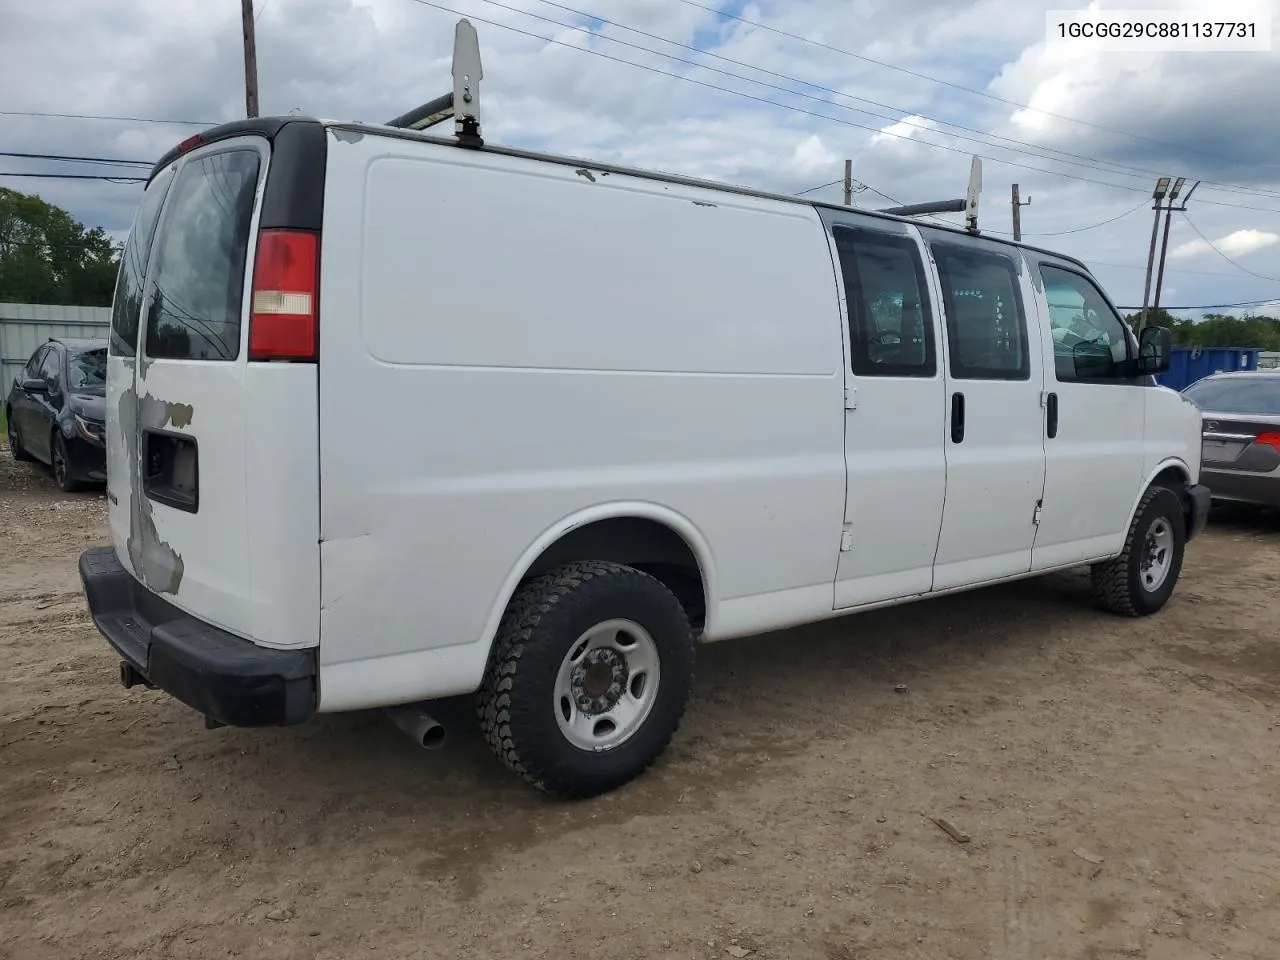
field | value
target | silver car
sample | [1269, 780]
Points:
[1240, 450]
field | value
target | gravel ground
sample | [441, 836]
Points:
[1116, 781]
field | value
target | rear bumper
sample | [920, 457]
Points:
[1243, 487]
[1199, 498]
[226, 678]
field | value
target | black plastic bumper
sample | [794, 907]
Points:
[1198, 499]
[228, 679]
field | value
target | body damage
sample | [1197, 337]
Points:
[154, 561]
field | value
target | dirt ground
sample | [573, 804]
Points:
[1117, 780]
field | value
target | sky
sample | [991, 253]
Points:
[772, 94]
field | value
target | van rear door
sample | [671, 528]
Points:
[212, 459]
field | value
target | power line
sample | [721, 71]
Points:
[1063, 233]
[1214, 247]
[91, 116]
[76, 176]
[956, 86]
[1211, 306]
[821, 186]
[95, 160]
[802, 110]
[1092, 163]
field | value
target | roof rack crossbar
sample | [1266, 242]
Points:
[968, 205]
[463, 103]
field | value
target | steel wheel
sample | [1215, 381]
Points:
[1157, 554]
[607, 684]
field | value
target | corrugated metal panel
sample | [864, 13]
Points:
[24, 326]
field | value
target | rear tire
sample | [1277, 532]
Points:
[61, 465]
[1140, 581]
[589, 677]
[15, 445]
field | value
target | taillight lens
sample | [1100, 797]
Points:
[284, 324]
[1269, 440]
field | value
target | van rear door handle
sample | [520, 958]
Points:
[1051, 415]
[957, 418]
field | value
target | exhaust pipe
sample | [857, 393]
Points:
[130, 677]
[425, 730]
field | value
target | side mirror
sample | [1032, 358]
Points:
[1155, 350]
[34, 385]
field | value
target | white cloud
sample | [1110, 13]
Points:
[372, 59]
[1233, 244]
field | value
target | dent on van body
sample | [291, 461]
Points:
[157, 564]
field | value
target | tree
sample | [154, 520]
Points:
[1217, 330]
[47, 256]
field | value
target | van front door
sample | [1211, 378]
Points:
[896, 471]
[1096, 413]
[994, 424]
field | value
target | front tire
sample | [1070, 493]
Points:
[61, 464]
[589, 677]
[16, 448]
[1140, 581]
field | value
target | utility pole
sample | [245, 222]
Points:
[848, 183]
[1164, 246]
[1162, 187]
[1017, 214]
[250, 60]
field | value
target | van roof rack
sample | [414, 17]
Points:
[463, 103]
[968, 206]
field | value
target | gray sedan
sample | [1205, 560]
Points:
[1240, 449]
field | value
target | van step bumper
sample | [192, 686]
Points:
[226, 678]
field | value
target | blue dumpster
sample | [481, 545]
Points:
[1189, 364]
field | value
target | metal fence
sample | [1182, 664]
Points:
[24, 326]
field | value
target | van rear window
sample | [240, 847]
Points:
[201, 251]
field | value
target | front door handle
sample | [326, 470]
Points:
[957, 418]
[1051, 415]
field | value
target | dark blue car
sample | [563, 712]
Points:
[56, 411]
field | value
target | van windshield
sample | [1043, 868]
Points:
[201, 251]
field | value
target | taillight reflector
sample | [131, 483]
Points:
[1269, 440]
[189, 144]
[284, 324]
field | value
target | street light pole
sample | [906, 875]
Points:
[1162, 187]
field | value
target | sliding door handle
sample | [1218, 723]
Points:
[1051, 415]
[957, 418]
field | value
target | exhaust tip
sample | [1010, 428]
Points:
[131, 677]
[426, 731]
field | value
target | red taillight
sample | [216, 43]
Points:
[1269, 440]
[286, 279]
[189, 144]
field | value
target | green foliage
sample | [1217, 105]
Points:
[47, 256]
[1218, 330]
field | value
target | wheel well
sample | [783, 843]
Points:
[644, 544]
[1176, 480]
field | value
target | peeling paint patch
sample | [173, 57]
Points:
[703, 203]
[584, 172]
[154, 561]
[158, 414]
[347, 136]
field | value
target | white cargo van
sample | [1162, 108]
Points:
[394, 417]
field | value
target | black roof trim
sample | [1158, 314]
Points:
[80, 343]
[257, 126]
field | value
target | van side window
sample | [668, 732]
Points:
[890, 326]
[133, 269]
[986, 326]
[1089, 339]
[201, 252]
